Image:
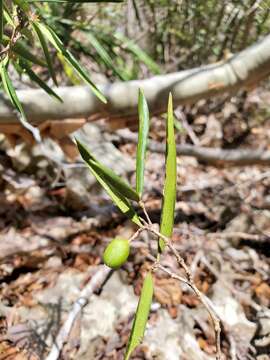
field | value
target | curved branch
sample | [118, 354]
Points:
[243, 70]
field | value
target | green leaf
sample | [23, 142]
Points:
[69, 70]
[10, 91]
[22, 4]
[142, 142]
[178, 125]
[141, 315]
[57, 43]
[169, 192]
[1, 19]
[40, 82]
[7, 15]
[116, 181]
[23, 50]
[45, 49]
[117, 197]
[138, 52]
[104, 55]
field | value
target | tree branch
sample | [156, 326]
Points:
[214, 156]
[243, 70]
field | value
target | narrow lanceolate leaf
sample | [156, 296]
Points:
[104, 55]
[133, 48]
[169, 192]
[10, 91]
[45, 49]
[57, 43]
[1, 19]
[141, 316]
[117, 197]
[142, 142]
[24, 51]
[7, 16]
[120, 201]
[40, 82]
[114, 180]
[69, 70]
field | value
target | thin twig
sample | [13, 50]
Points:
[96, 282]
[193, 137]
[235, 234]
[145, 212]
[172, 275]
[136, 234]
[204, 300]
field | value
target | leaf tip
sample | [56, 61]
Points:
[170, 102]
[103, 99]
[140, 91]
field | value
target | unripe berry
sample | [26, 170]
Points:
[116, 253]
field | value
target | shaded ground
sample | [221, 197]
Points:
[55, 222]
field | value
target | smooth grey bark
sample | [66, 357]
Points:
[213, 156]
[243, 70]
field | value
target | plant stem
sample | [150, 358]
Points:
[190, 282]
[136, 234]
[145, 212]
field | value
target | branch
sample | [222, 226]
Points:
[95, 283]
[243, 70]
[190, 282]
[213, 156]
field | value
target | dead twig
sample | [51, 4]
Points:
[172, 275]
[135, 235]
[145, 212]
[181, 116]
[96, 282]
[235, 234]
[213, 156]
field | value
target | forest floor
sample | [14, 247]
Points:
[55, 223]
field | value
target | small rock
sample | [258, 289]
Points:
[237, 255]
[262, 221]
[232, 315]
[117, 301]
[263, 357]
[162, 339]
[20, 156]
[264, 326]
[263, 342]
[53, 262]
[239, 223]
[66, 289]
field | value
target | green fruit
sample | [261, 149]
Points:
[116, 253]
